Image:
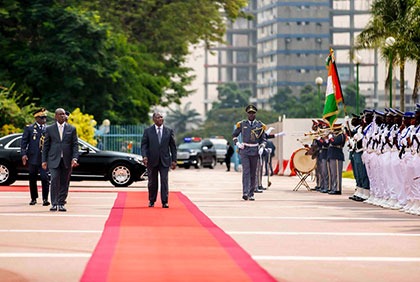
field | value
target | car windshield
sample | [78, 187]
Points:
[83, 143]
[220, 146]
[190, 146]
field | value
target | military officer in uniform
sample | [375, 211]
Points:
[253, 143]
[335, 159]
[31, 149]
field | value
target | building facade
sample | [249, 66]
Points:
[286, 45]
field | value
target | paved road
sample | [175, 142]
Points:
[296, 235]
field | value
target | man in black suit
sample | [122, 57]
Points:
[60, 154]
[31, 151]
[158, 149]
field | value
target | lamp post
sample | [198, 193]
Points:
[319, 82]
[389, 41]
[357, 60]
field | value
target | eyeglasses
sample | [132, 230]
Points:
[43, 117]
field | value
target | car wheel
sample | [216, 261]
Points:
[7, 176]
[213, 163]
[199, 163]
[120, 175]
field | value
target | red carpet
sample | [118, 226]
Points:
[15, 189]
[175, 244]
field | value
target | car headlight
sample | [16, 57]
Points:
[138, 160]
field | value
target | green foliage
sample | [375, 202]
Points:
[231, 96]
[182, 119]
[225, 113]
[13, 118]
[112, 59]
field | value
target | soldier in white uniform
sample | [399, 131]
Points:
[253, 143]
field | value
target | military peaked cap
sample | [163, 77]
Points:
[40, 113]
[251, 108]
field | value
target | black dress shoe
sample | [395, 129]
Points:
[245, 197]
[54, 208]
[151, 204]
[334, 193]
[33, 202]
[45, 203]
[61, 208]
[165, 206]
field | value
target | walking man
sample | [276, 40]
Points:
[252, 145]
[31, 152]
[158, 149]
[59, 155]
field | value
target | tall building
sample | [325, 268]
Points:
[286, 45]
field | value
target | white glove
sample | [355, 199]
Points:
[261, 150]
[269, 150]
[346, 119]
[280, 134]
[268, 131]
[240, 145]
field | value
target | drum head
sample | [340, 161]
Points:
[302, 162]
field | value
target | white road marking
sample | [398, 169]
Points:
[45, 255]
[312, 218]
[47, 231]
[49, 214]
[362, 259]
[323, 233]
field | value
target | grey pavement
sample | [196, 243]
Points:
[295, 235]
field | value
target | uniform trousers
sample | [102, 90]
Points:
[33, 177]
[249, 173]
[397, 173]
[359, 168]
[335, 168]
[386, 183]
[325, 179]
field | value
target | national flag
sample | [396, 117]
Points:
[333, 93]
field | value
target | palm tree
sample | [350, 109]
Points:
[184, 119]
[390, 18]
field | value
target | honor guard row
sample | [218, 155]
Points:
[385, 157]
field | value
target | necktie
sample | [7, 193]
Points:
[60, 129]
[159, 134]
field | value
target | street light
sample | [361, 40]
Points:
[319, 82]
[357, 60]
[389, 42]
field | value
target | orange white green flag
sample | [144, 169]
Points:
[333, 93]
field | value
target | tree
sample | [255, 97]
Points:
[390, 18]
[13, 118]
[60, 56]
[231, 96]
[184, 119]
[112, 59]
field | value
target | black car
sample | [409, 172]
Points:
[121, 169]
[196, 152]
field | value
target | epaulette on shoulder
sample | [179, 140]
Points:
[238, 124]
[264, 127]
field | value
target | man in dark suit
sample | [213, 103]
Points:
[31, 151]
[158, 149]
[60, 154]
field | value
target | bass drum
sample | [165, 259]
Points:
[303, 162]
